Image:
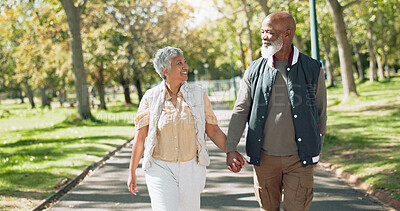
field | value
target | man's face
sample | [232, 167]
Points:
[269, 32]
[272, 40]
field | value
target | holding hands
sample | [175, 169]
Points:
[235, 161]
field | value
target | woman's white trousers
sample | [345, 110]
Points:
[175, 186]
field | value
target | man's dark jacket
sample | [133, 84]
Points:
[302, 77]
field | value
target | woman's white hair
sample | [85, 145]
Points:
[162, 59]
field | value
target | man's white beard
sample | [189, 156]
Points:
[271, 50]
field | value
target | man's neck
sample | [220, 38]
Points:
[283, 54]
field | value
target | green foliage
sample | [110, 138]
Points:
[35, 37]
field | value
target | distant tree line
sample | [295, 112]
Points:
[50, 47]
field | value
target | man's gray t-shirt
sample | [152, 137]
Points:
[279, 135]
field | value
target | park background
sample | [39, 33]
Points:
[72, 74]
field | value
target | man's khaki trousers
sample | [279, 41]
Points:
[283, 172]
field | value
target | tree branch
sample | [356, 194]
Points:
[82, 3]
[350, 3]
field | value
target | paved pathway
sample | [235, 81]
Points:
[106, 188]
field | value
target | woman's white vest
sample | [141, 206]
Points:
[193, 96]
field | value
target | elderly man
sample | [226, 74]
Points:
[283, 99]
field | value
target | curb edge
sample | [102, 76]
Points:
[359, 183]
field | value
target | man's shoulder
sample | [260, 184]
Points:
[310, 65]
[257, 62]
[305, 58]
[254, 66]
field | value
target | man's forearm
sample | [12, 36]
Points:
[240, 115]
[235, 131]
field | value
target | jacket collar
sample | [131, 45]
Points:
[164, 88]
[294, 57]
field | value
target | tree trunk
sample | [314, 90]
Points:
[21, 95]
[385, 63]
[381, 76]
[387, 69]
[349, 87]
[45, 99]
[329, 72]
[29, 94]
[127, 93]
[242, 53]
[328, 65]
[372, 65]
[136, 77]
[360, 70]
[138, 86]
[62, 97]
[249, 32]
[264, 5]
[100, 87]
[78, 67]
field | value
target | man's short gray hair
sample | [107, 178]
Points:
[162, 59]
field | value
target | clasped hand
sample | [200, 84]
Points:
[235, 161]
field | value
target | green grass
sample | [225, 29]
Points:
[363, 135]
[42, 148]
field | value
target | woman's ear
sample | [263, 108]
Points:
[164, 71]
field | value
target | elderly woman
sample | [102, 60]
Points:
[172, 122]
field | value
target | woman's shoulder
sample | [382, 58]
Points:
[156, 90]
[191, 87]
[194, 86]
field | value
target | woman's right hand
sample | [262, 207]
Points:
[132, 184]
[137, 152]
[235, 161]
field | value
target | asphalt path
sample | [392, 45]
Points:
[106, 189]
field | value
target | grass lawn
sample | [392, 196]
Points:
[40, 149]
[363, 136]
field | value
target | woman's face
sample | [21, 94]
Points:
[179, 70]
